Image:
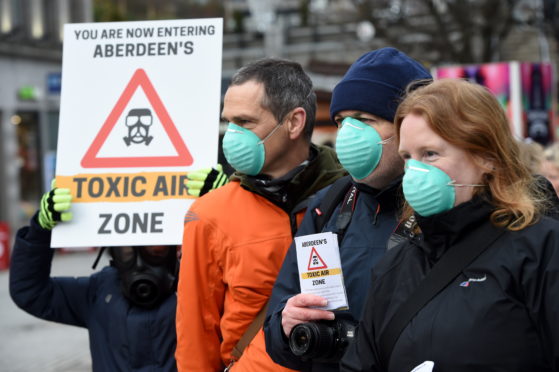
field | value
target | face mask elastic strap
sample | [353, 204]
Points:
[453, 183]
[269, 134]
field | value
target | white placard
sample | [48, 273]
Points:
[320, 268]
[139, 109]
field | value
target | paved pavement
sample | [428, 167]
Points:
[28, 344]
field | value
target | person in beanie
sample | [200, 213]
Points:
[363, 106]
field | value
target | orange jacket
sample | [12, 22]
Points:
[231, 258]
[234, 244]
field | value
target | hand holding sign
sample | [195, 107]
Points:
[320, 269]
[54, 207]
[205, 180]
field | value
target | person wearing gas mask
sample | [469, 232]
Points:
[362, 210]
[127, 307]
[235, 238]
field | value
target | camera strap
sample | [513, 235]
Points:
[441, 275]
[405, 231]
[342, 191]
[346, 212]
[331, 200]
[248, 336]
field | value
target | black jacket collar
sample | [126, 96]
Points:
[390, 197]
[440, 231]
[321, 169]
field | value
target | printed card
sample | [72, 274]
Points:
[320, 268]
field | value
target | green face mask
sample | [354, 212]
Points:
[427, 189]
[244, 150]
[359, 147]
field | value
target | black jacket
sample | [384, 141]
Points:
[500, 314]
[364, 243]
[122, 337]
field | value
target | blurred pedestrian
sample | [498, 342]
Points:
[550, 165]
[531, 154]
[476, 290]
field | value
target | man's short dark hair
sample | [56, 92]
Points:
[286, 87]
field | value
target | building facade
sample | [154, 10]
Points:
[325, 40]
[30, 80]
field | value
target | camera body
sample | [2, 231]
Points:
[322, 341]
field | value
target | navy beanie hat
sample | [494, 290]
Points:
[376, 82]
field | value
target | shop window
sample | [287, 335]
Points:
[29, 163]
[52, 130]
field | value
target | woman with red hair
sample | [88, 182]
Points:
[474, 286]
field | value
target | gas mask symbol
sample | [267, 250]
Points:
[138, 122]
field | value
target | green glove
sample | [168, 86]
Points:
[54, 206]
[205, 180]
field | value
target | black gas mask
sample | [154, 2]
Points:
[148, 274]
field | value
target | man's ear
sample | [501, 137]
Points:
[295, 122]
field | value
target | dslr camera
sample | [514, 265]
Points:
[324, 340]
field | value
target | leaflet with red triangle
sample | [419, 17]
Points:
[183, 157]
[315, 261]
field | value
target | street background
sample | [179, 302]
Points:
[506, 45]
[32, 344]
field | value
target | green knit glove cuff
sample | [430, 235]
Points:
[54, 208]
[202, 181]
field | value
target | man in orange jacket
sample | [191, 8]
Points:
[236, 237]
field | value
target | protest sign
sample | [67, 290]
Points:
[139, 109]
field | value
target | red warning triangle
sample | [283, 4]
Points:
[315, 261]
[183, 157]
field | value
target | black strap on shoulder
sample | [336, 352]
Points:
[331, 200]
[346, 212]
[301, 206]
[405, 231]
[101, 250]
[444, 271]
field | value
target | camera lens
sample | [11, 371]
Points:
[300, 340]
[310, 340]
